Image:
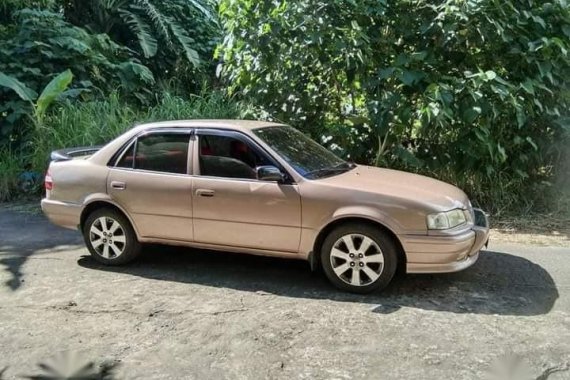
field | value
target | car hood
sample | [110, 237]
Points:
[432, 193]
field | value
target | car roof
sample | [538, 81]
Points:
[211, 123]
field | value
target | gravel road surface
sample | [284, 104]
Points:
[190, 314]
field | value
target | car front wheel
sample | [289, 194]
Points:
[359, 258]
[110, 237]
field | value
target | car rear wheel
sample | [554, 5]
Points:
[359, 258]
[110, 237]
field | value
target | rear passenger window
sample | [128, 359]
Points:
[160, 153]
[128, 157]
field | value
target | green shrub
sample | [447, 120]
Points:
[42, 44]
[475, 92]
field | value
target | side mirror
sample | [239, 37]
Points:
[269, 173]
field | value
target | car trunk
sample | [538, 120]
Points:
[77, 153]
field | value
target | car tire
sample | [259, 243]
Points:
[359, 258]
[110, 238]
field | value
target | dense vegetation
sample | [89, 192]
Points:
[474, 92]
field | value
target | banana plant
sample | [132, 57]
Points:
[56, 87]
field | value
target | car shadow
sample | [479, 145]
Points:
[499, 283]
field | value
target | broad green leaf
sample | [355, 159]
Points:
[528, 87]
[521, 173]
[407, 156]
[53, 89]
[129, 71]
[70, 43]
[419, 56]
[385, 73]
[543, 87]
[490, 75]
[143, 72]
[481, 135]
[23, 91]
[521, 117]
[502, 81]
[186, 42]
[539, 20]
[73, 93]
[471, 114]
[502, 153]
[142, 30]
[531, 142]
[409, 77]
[558, 42]
[357, 120]
[198, 5]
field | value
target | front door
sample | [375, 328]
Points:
[152, 184]
[232, 207]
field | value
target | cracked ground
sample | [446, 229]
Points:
[191, 314]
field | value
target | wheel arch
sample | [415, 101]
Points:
[323, 233]
[99, 204]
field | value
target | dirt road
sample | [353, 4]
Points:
[179, 313]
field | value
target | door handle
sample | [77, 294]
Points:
[205, 193]
[118, 185]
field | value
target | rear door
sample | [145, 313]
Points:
[151, 182]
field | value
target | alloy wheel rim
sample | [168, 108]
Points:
[107, 237]
[357, 260]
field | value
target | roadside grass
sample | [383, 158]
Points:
[29, 204]
[537, 227]
[98, 122]
[81, 124]
[11, 164]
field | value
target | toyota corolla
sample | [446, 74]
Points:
[260, 188]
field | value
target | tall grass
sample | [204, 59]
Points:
[81, 124]
[11, 166]
[97, 122]
[214, 105]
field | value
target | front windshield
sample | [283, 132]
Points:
[308, 158]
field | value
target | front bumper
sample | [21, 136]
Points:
[63, 214]
[447, 253]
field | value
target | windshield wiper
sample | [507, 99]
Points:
[340, 168]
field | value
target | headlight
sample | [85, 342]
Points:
[445, 220]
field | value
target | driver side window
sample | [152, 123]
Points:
[228, 157]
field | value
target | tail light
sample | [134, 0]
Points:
[48, 182]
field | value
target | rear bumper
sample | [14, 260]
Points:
[63, 214]
[444, 254]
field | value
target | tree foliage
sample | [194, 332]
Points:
[471, 87]
[166, 35]
[127, 45]
[41, 45]
[471, 91]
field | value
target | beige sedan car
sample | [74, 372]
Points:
[260, 188]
